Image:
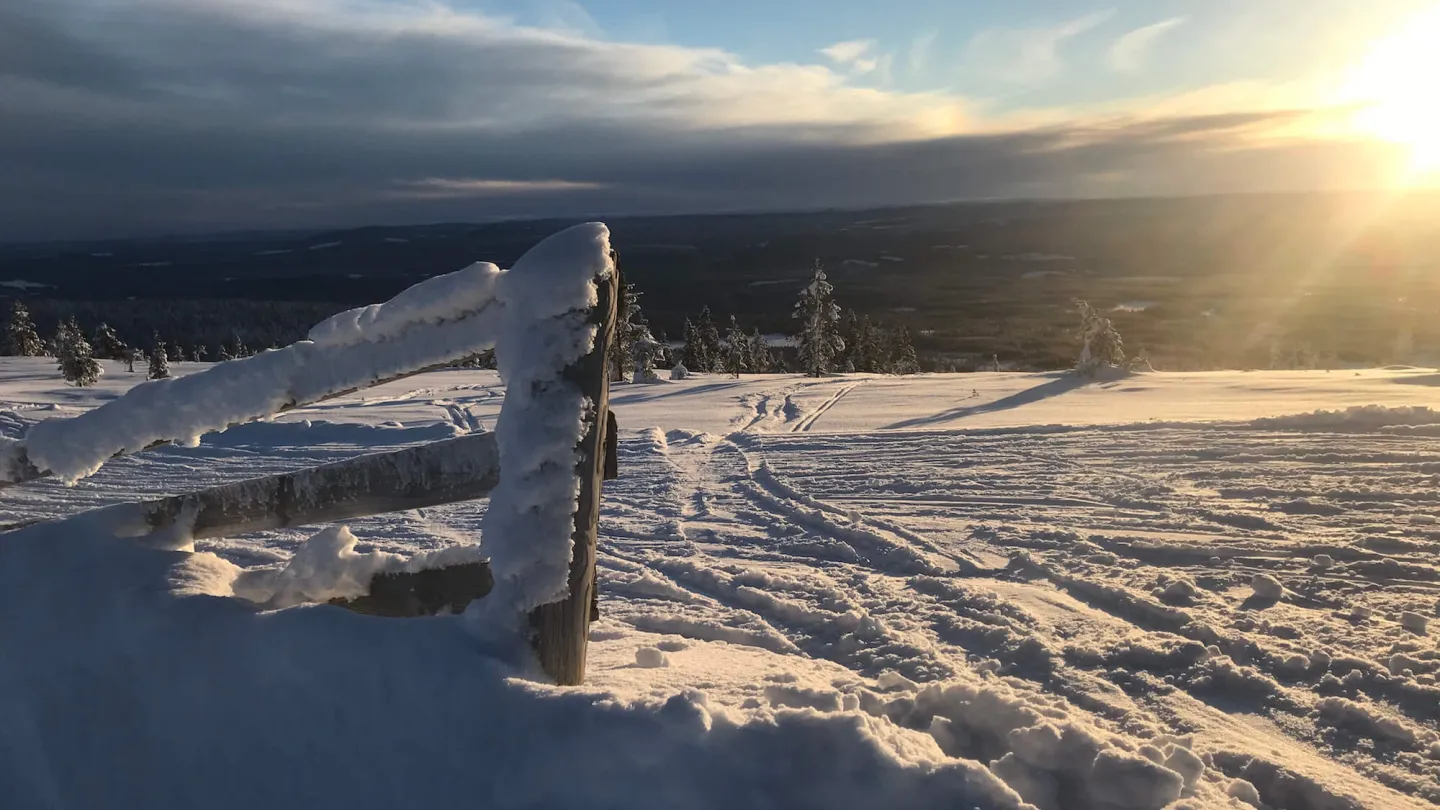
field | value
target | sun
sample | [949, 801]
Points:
[1394, 90]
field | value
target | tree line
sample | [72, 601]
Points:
[828, 340]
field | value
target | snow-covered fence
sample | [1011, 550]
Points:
[550, 320]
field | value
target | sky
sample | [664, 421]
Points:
[149, 117]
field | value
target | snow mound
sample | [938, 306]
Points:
[1265, 586]
[1414, 622]
[651, 658]
[1358, 419]
[218, 705]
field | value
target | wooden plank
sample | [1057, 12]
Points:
[460, 469]
[562, 629]
[423, 593]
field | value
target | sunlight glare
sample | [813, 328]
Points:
[1394, 86]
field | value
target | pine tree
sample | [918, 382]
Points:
[709, 337]
[176, 352]
[136, 356]
[107, 344]
[159, 361]
[238, 349]
[21, 339]
[761, 359]
[903, 359]
[647, 351]
[692, 356]
[198, 353]
[77, 361]
[819, 316]
[847, 361]
[630, 325]
[735, 350]
[225, 353]
[1100, 344]
[869, 354]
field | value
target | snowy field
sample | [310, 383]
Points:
[1162, 590]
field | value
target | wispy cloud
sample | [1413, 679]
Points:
[1028, 56]
[1131, 50]
[920, 49]
[453, 187]
[856, 55]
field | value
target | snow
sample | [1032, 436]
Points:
[1414, 622]
[325, 245]
[529, 523]
[1265, 586]
[439, 299]
[22, 284]
[866, 592]
[1133, 306]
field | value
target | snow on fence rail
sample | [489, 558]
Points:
[550, 319]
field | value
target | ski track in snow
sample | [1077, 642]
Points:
[1107, 569]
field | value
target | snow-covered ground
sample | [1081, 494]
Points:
[1161, 590]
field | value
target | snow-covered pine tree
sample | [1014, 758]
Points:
[647, 352]
[709, 336]
[1100, 344]
[847, 361]
[159, 361]
[225, 352]
[762, 361]
[198, 353]
[77, 360]
[869, 356]
[693, 355]
[21, 339]
[136, 356]
[238, 349]
[176, 352]
[819, 316]
[622, 352]
[735, 350]
[903, 359]
[107, 344]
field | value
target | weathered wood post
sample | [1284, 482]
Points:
[562, 629]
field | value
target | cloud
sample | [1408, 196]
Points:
[1028, 56]
[166, 116]
[858, 55]
[920, 49]
[1131, 50]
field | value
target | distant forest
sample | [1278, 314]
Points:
[1242, 281]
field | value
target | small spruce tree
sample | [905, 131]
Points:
[762, 361]
[903, 360]
[198, 353]
[692, 354]
[136, 356]
[1100, 344]
[819, 316]
[735, 350]
[107, 344]
[21, 339]
[159, 361]
[77, 360]
[709, 337]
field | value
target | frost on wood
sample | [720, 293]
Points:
[527, 529]
[434, 322]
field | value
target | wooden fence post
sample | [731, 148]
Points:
[562, 629]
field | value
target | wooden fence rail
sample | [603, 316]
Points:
[460, 469]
